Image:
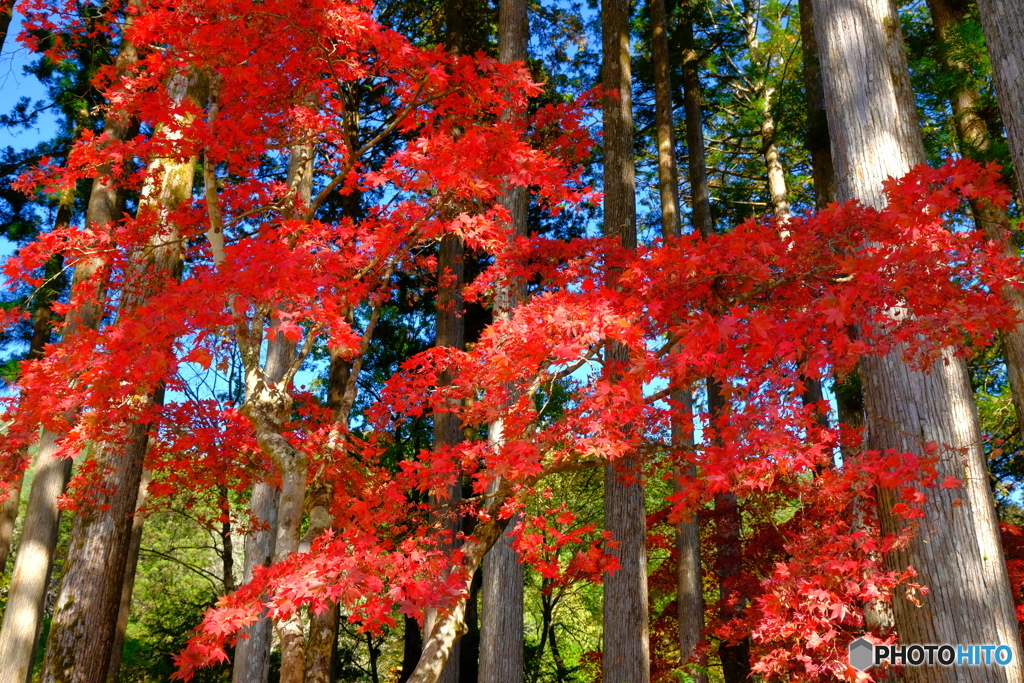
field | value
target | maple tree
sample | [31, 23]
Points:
[265, 272]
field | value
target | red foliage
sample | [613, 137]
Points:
[753, 309]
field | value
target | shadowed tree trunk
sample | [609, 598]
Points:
[689, 586]
[412, 648]
[25, 601]
[85, 617]
[501, 595]
[449, 626]
[816, 139]
[130, 570]
[697, 171]
[447, 426]
[42, 327]
[734, 658]
[972, 132]
[252, 654]
[626, 651]
[734, 655]
[1003, 23]
[874, 131]
[342, 389]
[323, 627]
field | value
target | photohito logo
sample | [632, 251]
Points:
[864, 654]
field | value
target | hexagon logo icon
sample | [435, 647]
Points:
[862, 654]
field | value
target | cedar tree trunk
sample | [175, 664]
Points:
[874, 131]
[626, 652]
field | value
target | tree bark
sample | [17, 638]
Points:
[501, 624]
[42, 328]
[697, 171]
[689, 584]
[29, 579]
[252, 653]
[85, 618]
[447, 426]
[734, 655]
[664, 124]
[874, 132]
[501, 595]
[1003, 23]
[816, 139]
[972, 132]
[412, 648]
[450, 625]
[130, 571]
[626, 656]
[267, 404]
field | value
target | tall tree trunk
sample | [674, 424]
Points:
[697, 171]
[689, 585]
[816, 139]
[448, 627]
[412, 648]
[450, 330]
[85, 618]
[764, 91]
[501, 595]
[42, 327]
[252, 653]
[323, 627]
[668, 172]
[130, 570]
[734, 655]
[1003, 23]
[268, 403]
[972, 131]
[874, 131]
[447, 426]
[268, 414]
[626, 656]
[25, 600]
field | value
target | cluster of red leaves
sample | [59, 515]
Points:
[758, 309]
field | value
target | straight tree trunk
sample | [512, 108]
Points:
[972, 132]
[323, 627]
[130, 571]
[25, 601]
[450, 330]
[734, 656]
[85, 618]
[42, 327]
[816, 140]
[697, 171]
[626, 655]
[291, 465]
[777, 191]
[448, 627]
[501, 595]
[689, 584]
[875, 134]
[447, 426]
[469, 657]
[412, 648]
[1003, 23]
[252, 653]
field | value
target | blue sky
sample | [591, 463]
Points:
[15, 84]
